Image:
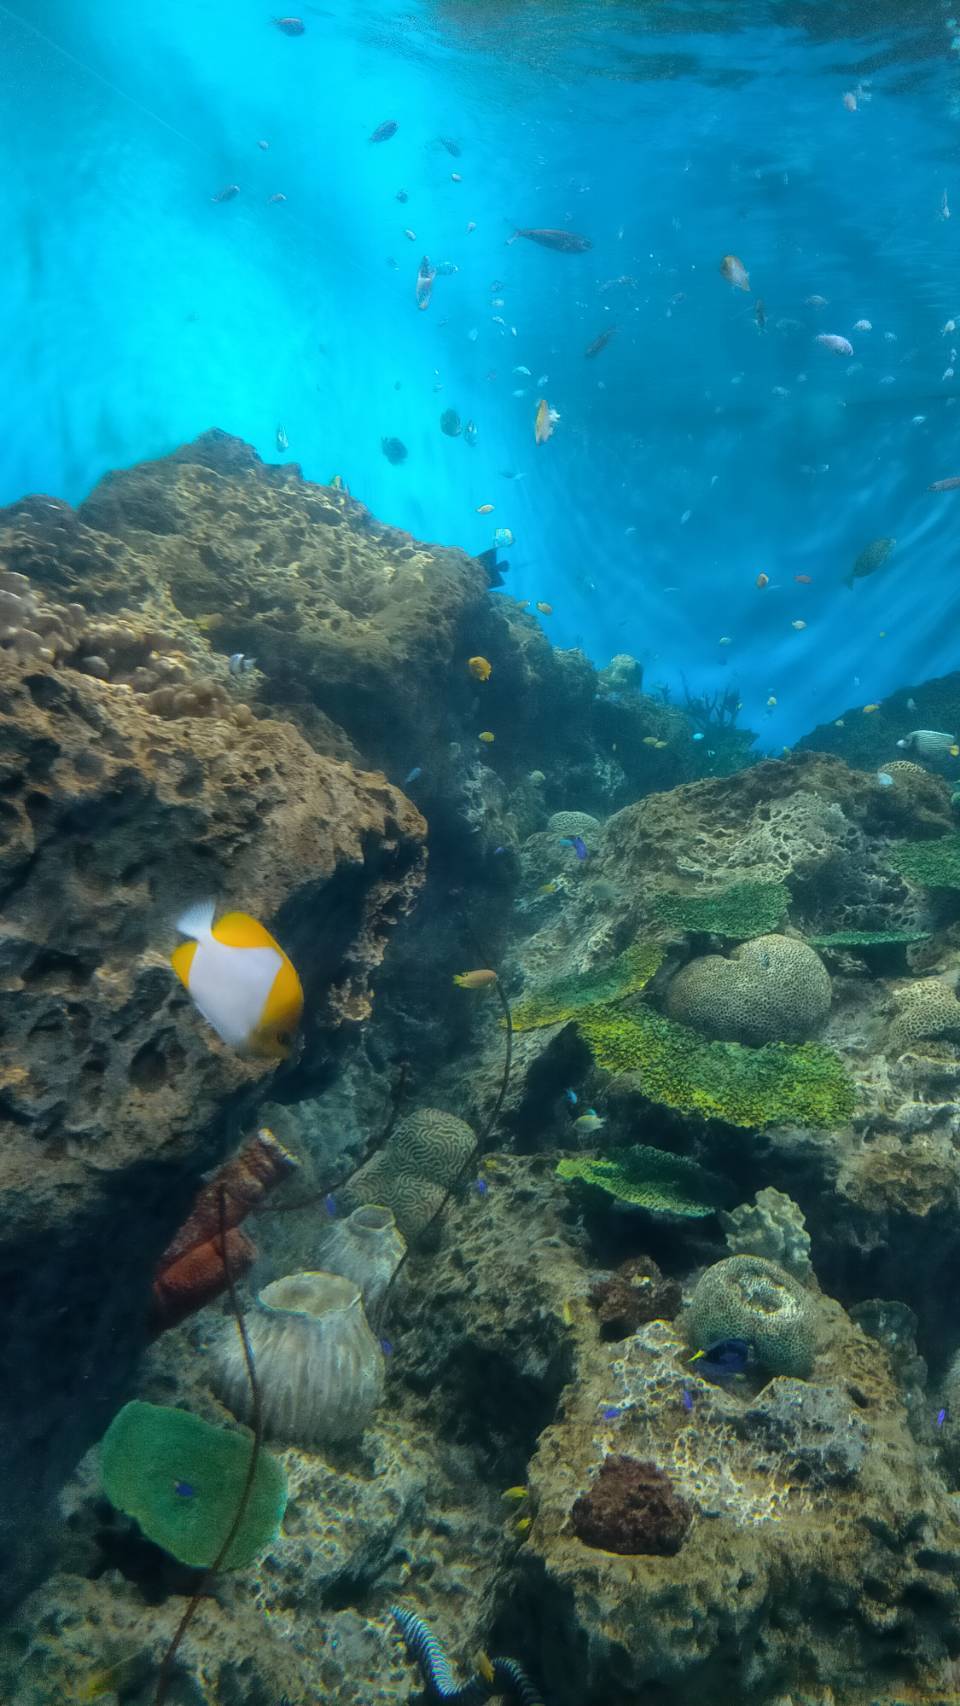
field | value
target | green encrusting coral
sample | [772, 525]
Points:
[181, 1478]
[868, 938]
[779, 1084]
[740, 911]
[554, 1002]
[932, 864]
[648, 1178]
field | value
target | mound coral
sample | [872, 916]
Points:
[182, 1479]
[648, 1178]
[636, 1292]
[320, 1367]
[775, 1085]
[740, 910]
[927, 1010]
[554, 1002]
[930, 864]
[773, 989]
[574, 823]
[631, 1508]
[747, 1297]
[412, 1174]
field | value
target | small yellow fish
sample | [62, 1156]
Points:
[487, 738]
[735, 272]
[869, 709]
[485, 509]
[659, 745]
[955, 752]
[480, 669]
[649, 740]
[548, 888]
[771, 702]
[474, 979]
[482, 1662]
[798, 625]
[514, 1495]
[545, 421]
[523, 1524]
[724, 640]
[240, 979]
[544, 608]
[566, 1312]
[839, 724]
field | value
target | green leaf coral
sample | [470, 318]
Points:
[868, 938]
[554, 1002]
[778, 1084]
[739, 911]
[181, 1478]
[645, 1177]
[931, 864]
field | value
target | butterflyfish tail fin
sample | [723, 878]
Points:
[197, 920]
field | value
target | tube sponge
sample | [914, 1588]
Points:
[747, 1297]
[181, 1478]
[773, 989]
[366, 1248]
[320, 1367]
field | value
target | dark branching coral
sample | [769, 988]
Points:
[554, 1002]
[648, 1178]
[747, 1297]
[631, 1508]
[773, 989]
[636, 1292]
[776, 1085]
[739, 911]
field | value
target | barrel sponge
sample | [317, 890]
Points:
[772, 989]
[928, 1010]
[432, 1144]
[182, 1479]
[747, 1297]
[573, 823]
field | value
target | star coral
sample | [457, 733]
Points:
[739, 911]
[773, 989]
[776, 1085]
[927, 1011]
[747, 1297]
[648, 1178]
[554, 1002]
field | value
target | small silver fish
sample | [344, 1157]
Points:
[283, 443]
[588, 1122]
[240, 664]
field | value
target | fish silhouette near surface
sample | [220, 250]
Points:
[425, 278]
[565, 242]
[290, 26]
[384, 131]
[600, 342]
[871, 558]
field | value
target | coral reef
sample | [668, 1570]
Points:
[181, 1479]
[772, 989]
[747, 1297]
[746, 1087]
[632, 1508]
[930, 864]
[771, 1226]
[635, 1293]
[319, 1365]
[643, 1177]
[739, 910]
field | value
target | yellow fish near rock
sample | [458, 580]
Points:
[240, 979]
[480, 668]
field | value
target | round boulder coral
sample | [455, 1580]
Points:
[631, 1508]
[747, 1297]
[772, 989]
[573, 823]
[927, 1011]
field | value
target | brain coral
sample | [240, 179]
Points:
[776, 1085]
[747, 1297]
[927, 1010]
[773, 989]
[573, 823]
[416, 1167]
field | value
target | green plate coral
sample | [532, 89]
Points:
[740, 911]
[553, 1002]
[778, 1084]
[868, 939]
[932, 864]
[645, 1177]
[181, 1478]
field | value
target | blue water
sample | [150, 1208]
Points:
[695, 452]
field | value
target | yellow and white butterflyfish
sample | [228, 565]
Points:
[240, 979]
